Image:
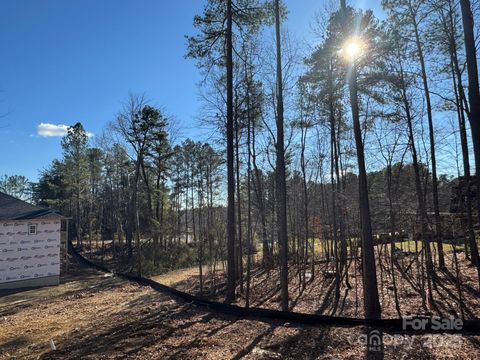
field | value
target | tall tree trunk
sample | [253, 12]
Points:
[436, 209]
[418, 183]
[267, 257]
[466, 171]
[239, 206]
[193, 212]
[393, 229]
[473, 88]
[230, 293]
[336, 187]
[371, 301]
[135, 214]
[201, 232]
[305, 202]
[249, 205]
[149, 193]
[460, 99]
[281, 183]
[334, 202]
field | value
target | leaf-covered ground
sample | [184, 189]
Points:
[95, 316]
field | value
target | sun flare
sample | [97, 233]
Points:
[353, 48]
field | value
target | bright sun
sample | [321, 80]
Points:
[353, 48]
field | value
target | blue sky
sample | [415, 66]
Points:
[65, 61]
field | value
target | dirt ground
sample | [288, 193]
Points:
[94, 316]
[319, 294]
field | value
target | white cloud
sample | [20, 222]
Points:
[50, 130]
[47, 130]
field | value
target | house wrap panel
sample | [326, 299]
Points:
[24, 256]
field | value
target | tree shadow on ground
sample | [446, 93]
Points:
[449, 294]
[12, 344]
[196, 341]
[128, 332]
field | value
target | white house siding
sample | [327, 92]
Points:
[29, 260]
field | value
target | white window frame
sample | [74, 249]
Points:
[30, 228]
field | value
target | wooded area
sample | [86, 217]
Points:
[346, 172]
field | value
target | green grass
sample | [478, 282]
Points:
[410, 246]
[407, 245]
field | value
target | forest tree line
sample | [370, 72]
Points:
[336, 143]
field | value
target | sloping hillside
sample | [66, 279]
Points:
[95, 316]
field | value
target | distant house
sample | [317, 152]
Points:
[29, 244]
